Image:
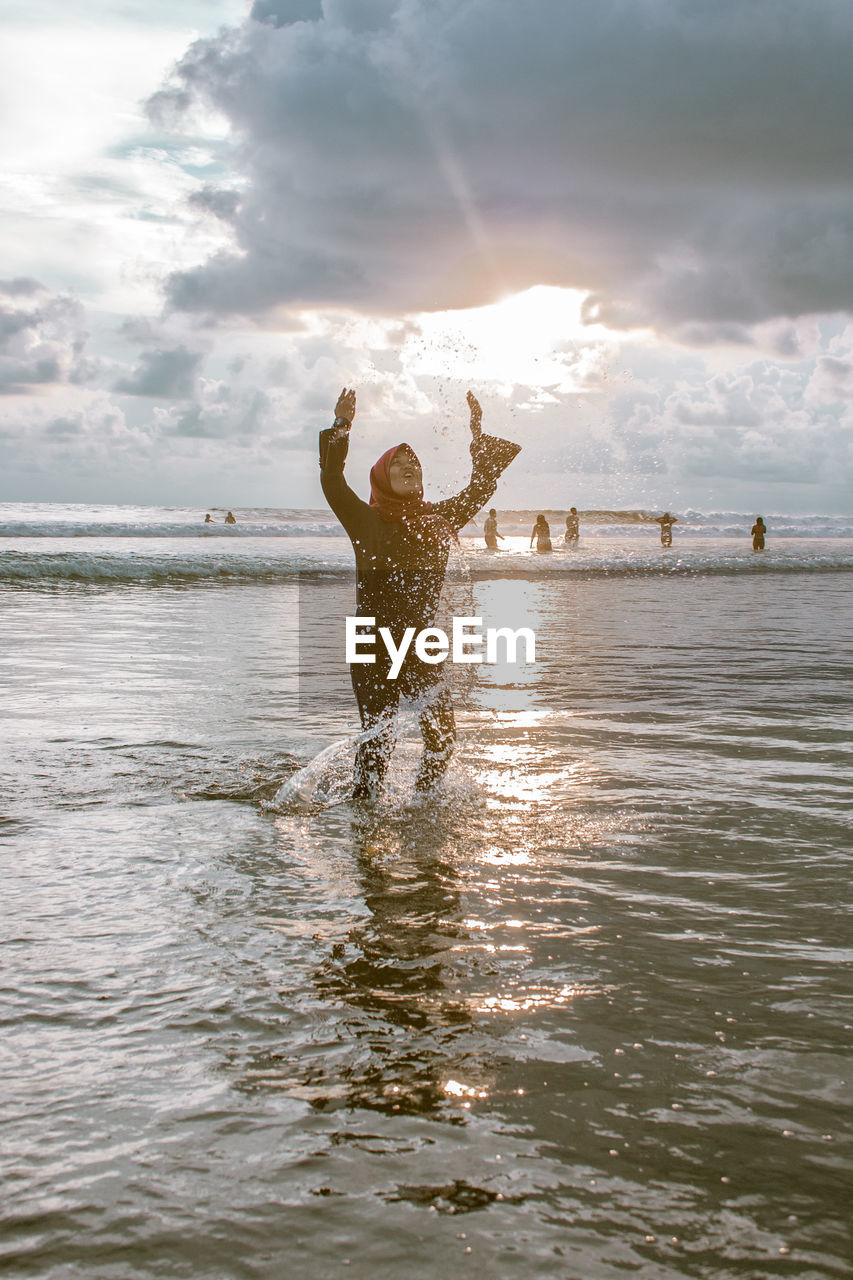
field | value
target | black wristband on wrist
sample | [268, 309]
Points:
[342, 422]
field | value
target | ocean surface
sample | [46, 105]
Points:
[585, 1013]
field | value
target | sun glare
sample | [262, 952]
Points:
[534, 339]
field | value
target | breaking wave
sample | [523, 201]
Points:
[36, 568]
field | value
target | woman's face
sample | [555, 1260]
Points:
[405, 475]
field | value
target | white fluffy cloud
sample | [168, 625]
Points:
[653, 426]
[42, 340]
[761, 424]
[685, 163]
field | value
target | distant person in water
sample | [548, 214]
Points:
[666, 521]
[572, 526]
[490, 531]
[401, 546]
[229, 519]
[541, 534]
[758, 531]
[208, 519]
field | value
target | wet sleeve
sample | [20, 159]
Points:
[347, 506]
[490, 456]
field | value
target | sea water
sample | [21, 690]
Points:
[584, 1013]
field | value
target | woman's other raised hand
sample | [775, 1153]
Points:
[476, 415]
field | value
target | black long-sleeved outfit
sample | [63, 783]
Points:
[399, 577]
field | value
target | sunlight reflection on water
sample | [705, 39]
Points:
[592, 997]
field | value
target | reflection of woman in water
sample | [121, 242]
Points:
[490, 531]
[666, 521]
[401, 546]
[542, 534]
[758, 531]
[397, 977]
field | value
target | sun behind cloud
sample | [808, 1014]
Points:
[534, 339]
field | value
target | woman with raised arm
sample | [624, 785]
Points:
[666, 521]
[401, 546]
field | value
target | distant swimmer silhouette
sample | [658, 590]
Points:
[758, 531]
[490, 531]
[666, 521]
[208, 519]
[572, 526]
[229, 519]
[401, 546]
[542, 534]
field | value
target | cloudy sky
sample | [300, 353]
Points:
[626, 224]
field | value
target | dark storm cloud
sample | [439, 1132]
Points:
[221, 203]
[42, 340]
[281, 12]
[684, 162]
[168, 373]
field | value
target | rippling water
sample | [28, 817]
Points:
[587, 1015]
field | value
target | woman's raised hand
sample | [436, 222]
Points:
[476, 415]
[345, 408]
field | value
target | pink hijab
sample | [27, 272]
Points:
[413, 513]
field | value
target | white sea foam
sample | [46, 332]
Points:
[144, 565]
